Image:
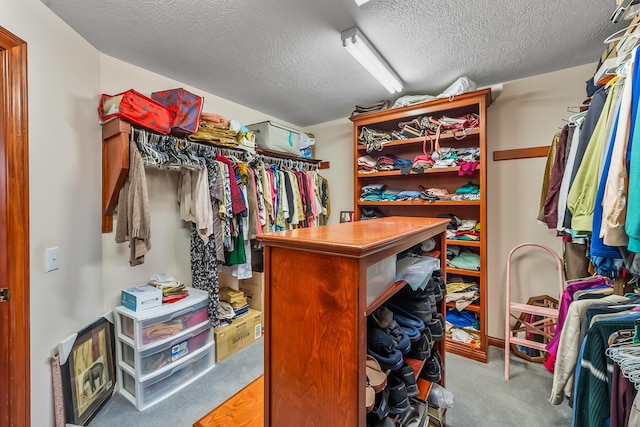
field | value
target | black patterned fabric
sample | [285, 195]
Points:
[204, 265]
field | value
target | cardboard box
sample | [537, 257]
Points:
[253, 288]
[140, 298]
[239, 334]
[436, 415]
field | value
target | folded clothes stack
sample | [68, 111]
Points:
[372, 192]
[172, 289]
[374, 106]
[465, 260]
[461, 292]
[233, 303]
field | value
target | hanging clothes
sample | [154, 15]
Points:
[582, 194]
[550, 207]
[614, 202]
[204, 264]
[133, 223]
[591, 119]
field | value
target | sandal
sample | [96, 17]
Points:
[381, 347]
[383, 317]
[404, 318]
[375, 377]
[370, 397]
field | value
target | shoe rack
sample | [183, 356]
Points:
[320, 285]
[447, 178]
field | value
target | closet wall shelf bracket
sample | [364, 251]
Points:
[115, 165]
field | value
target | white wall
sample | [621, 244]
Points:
[64, 181]
[527, 114]
[334, 142]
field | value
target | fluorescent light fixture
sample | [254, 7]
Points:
[361, 2]
[360, 48]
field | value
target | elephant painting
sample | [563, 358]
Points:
[92, 375]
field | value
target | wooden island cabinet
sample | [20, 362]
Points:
[320, 285]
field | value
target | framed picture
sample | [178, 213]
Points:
[88, 375]
[346, 216]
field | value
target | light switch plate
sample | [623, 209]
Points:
[51, 258]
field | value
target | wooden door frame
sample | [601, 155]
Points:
[15, 180]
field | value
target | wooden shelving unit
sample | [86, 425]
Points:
[316, 291]
[448, 178]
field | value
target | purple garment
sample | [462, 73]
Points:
[623, 394]
[567, 298]
[550, 209]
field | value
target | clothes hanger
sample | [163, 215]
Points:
[617, 37]
[623, 10]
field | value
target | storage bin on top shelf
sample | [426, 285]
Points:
[277, 137]
[136, 108]
[185, 108]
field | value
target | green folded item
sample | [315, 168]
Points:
[467, 260]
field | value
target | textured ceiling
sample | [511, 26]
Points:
[285, 58]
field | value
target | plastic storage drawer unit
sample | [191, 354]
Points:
[147, 362]
[160, 324]
[166, 382]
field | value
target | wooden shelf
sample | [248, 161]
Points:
[399, 173]
[391, 291]
[472, 243]
[448, 178]
[463, 272]
[421, 203]
[473, 307]
[444, 136]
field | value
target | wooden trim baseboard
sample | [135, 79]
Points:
[495, 342]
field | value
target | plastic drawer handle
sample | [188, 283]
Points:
[182, 312]
[182, 339]
[184, 367]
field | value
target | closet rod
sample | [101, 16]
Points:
[115, 164]
[266, 155]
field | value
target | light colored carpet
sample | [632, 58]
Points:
[483, 398]
[187, 406]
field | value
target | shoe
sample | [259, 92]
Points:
[418, 306]
[421, 349]
[405, 318]
[383, 320]
[382, 347]
[398, 398]
[433, 304]
[381, 407]
[413, 417]
[408, 377]
[436, 327]
[370, 398]
[375, 377]
[432, 369]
